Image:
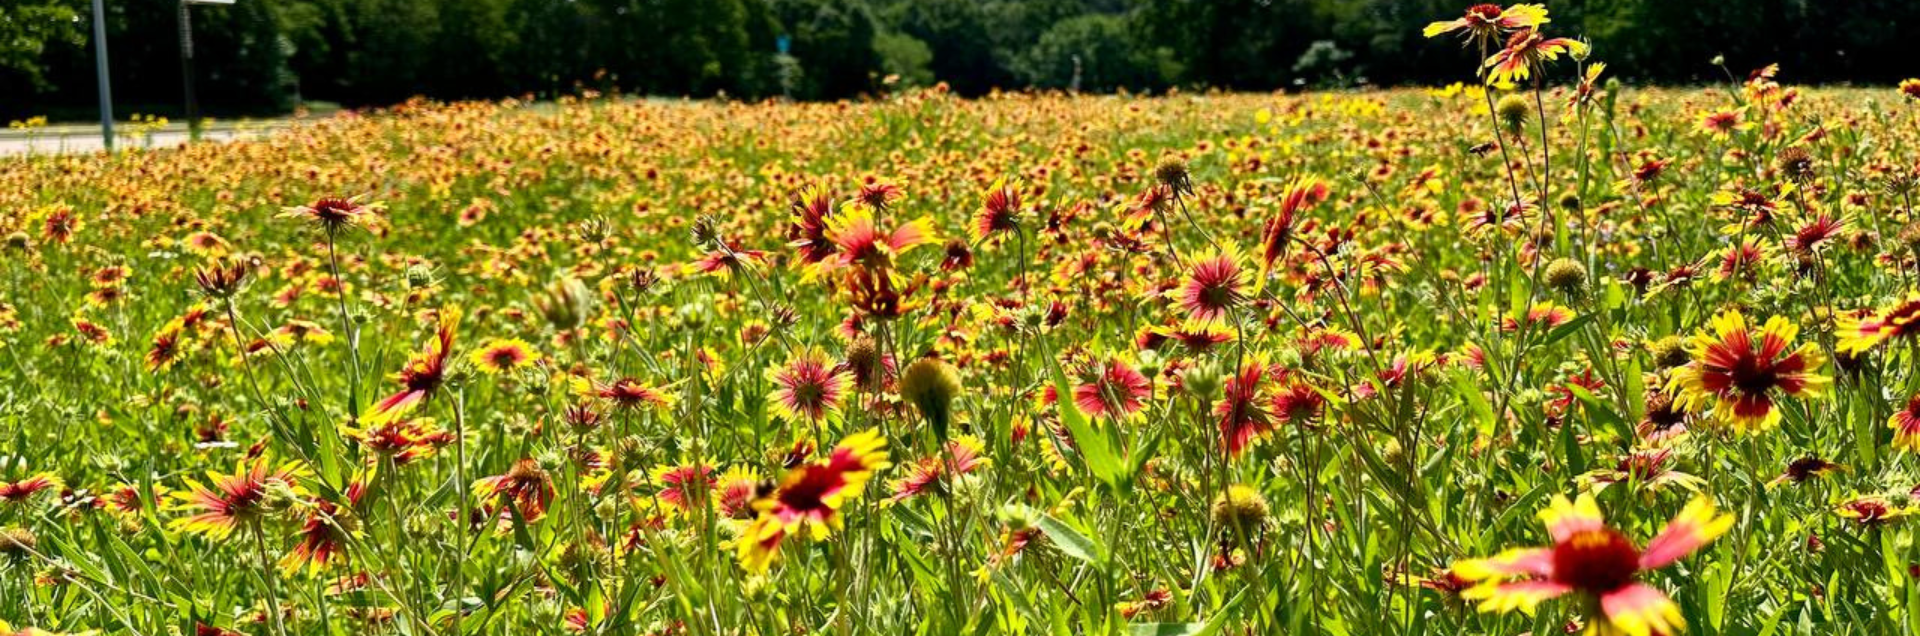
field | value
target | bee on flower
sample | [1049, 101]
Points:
[525, 488]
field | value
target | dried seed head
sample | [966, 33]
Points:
[1796, 164]
[17, 542]
[1241, 508]
[1910, 236]
[863, 360]
[1513, 112]
[1173, 173]
[1567, 276]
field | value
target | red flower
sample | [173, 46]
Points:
[999, 213]
[524, 486]
[1215, 285]
[1906, 425]
[1115, 390]
[629, 393]
[1739, 370]
[244, 497]
[422, 376]
[808, 234]
[1484, 22]
[1589, 558]
[1243, 417]
[20, 491]
[1303, 194]
[1526, 52]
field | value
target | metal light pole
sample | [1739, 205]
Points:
[100, 66]
[186, 64]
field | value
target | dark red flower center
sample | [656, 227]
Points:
[505, 357]
[806, 494]
[1597, 561]
[1753, 376]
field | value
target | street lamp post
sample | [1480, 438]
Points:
[100, 69]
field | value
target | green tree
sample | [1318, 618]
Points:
[834, 43]
[28, 27]
[1094, 52]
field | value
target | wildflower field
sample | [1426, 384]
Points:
[1539, 357]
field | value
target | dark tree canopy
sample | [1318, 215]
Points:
[264, 56]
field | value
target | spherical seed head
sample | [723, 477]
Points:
[630, 452]
[1202, 381]
[17, 542]
[706, 230]
[1566, 275]
[1241, 507]
[1795, 163]
[1173, 173]
[930, 385]
[1569, 201]
[863, 359]
[18, 241]
[419, 277]
[580, 559]
[1670, 352]
[1513, 111]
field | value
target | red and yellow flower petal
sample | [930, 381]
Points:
[1697, 525]
[1906, 426]
[1513, 563]
[1640, 610]
[1514, 595]
[759, 544]
[1565, 518]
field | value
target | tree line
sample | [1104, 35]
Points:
[266, 56]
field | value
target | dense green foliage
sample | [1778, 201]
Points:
[261, 56]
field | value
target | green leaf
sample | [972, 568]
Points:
[1092, 444]
[1209, 628]
[1072, 542]
[1561, 332]
[1470, 393]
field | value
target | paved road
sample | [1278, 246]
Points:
[86, 139]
